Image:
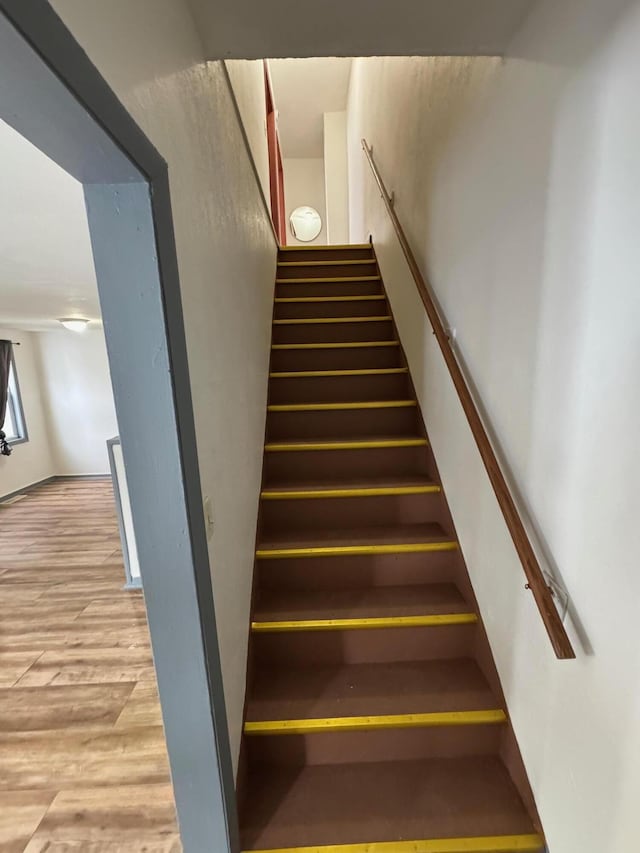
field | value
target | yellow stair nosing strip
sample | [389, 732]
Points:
[367, 623]
[439, 719]
[363, 492]
[339, 345]
[310, 321]
[381, 444]
[314, 374]
[376, 297]
[333, 407]
[532, 843]
[318, 247]
[331, 263]
[329, 280]
[357, 550]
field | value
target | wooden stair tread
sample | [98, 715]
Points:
[371, 689]
[400, 534]
[318, 805]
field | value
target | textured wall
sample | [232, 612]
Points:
[518, 182]
[336, 177]
[78, 400]
[151, 55]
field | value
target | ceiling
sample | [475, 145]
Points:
[303, 90]
[46, 264]
[253, 29]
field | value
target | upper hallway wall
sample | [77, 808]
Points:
[518, 183]
[251, 29]
[150, 54]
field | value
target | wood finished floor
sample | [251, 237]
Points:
[83, 762]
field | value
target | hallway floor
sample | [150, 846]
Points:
[83, 763]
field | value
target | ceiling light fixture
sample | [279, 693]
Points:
[74, 324]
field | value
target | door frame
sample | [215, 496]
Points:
[52, 94]
[276, 171]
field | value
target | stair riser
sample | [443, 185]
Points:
[363, 646]
[297, 289]
[340, 389]
[358, 572]
[353, 358]
[328, 254]
[370, 746]
[345, 424]
[342, 465]
[356, 308]
[314, 515]
[307, 333]
[326, 270]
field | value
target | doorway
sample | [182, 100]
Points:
[52, 95]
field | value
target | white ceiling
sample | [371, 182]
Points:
[303, 90]
[46, 265]
[253, 29]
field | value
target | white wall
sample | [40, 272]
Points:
[78, 399]
[151, 55]
[336, 177]
[32, 461]
[247, 80]
[304, 185]
[519, 185]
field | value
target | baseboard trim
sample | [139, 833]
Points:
[29, 488]
[55, 478]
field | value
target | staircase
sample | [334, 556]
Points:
[375, 722]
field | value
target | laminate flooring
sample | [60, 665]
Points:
[83, 759]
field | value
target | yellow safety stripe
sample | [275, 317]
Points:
[433, 620]
[341, 345]
[381, 444]
[338, 263]
[373, 723]
[356, 492]
[478, 844]
[377, 297]
[314, 374]
[332, 407]
[309, 321]
[356, 550]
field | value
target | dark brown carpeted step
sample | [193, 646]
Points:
[320, 389]
[344, 690]
[439, 639]
[362, 355]
[337, 460]
[360, 573]
[382, 602]
[400, 538]
[318, 805]
[375, 511]
[343, 329]
[315, 268]
[390, 422]
[333, 305]
[367, 285]
[325, 253]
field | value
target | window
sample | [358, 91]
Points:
[14, 425]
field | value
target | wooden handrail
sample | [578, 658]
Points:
[535, 577]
